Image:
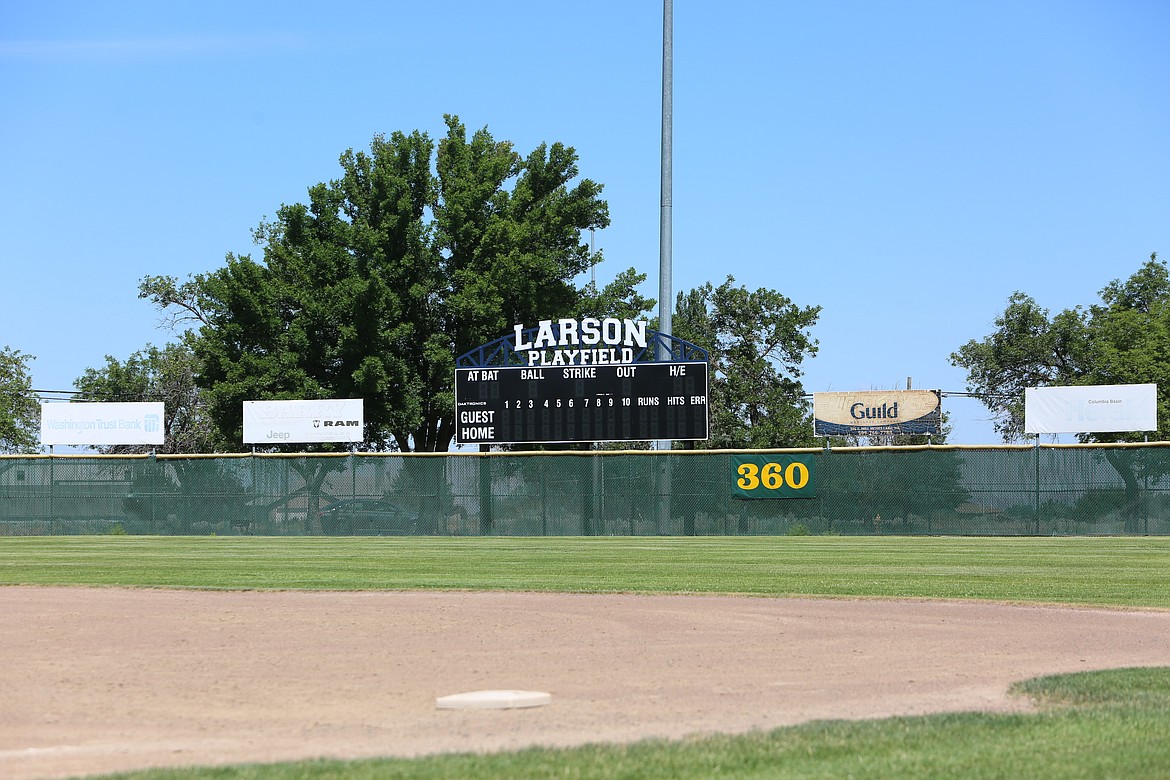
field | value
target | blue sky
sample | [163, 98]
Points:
[904, 165]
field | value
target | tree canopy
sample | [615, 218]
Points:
[164, 374]
[1124, 339]
[20, 414]
[757, 342]
[414, 256]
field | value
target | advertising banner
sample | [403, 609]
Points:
[304, 422]
[1091, 409]
[102, 424]
[868, 412]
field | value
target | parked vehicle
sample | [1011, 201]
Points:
[370, 517]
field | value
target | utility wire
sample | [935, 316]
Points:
[943, 393]
[55, 392]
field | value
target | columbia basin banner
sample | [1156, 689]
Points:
[304, 422]
[1091, 409]
[102, 424]
[869, 412]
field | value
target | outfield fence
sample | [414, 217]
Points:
[954, 490]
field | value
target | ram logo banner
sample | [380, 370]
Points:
[872, 412]
[1091, 409]
[102, 424]
[304, 422]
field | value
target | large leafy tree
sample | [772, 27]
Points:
[899, 486]
[757, 342]
[165, 374]
[1124, 339]
[414, 256]
[19, 412]
[620, 298]
[168, 374]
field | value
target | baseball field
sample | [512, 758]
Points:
[747, 657]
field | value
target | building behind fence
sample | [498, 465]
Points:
[1006, 490]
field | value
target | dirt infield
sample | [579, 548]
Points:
[101, 680]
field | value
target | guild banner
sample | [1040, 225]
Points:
[872, 412]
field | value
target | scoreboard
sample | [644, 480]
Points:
[606, 402]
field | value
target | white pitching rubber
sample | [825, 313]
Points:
[493, 700]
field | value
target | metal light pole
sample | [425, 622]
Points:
[665, 282]
[665, 229]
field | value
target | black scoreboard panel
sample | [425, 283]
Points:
[631, 402]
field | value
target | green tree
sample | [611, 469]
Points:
[903, 491]
[20, 414]
[620, 298]
[757, 342]
[161, 492]
[153, 374]
[1124, 339]
[372, 288]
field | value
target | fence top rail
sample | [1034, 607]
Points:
[1001, 447]
[592, 453]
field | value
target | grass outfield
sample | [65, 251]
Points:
[1121, 571]
[1095, 725]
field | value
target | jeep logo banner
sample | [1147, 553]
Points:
[304, 422]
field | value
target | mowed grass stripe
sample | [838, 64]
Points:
[1128, 571]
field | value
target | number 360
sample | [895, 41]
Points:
[772, 476]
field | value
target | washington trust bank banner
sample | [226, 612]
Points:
[102, 424]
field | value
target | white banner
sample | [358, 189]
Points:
[101, 424]
[304, 422]
[1092, 409]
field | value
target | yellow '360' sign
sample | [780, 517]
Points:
[772, 476]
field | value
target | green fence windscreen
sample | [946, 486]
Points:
[1043, 490]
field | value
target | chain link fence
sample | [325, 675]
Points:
[951, 490]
